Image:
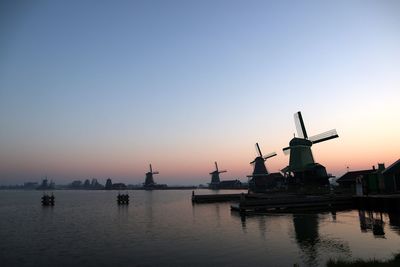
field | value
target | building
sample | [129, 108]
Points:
[379, 180]
[391, 176]
[229, 184]
[348, 180]
[271, 181]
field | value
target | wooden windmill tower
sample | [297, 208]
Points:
[259, 178]
[149, 181]
[302, 167]
[215, 177]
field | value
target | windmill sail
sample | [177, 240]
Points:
[258, 150]
[270, 155]
[324, 136]
[300, 127]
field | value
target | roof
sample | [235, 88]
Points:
[395, 167]
[352, 175]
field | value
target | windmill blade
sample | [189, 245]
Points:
[151, 169]
[253, 162]
[300, 127]
[258, 150]
[286, 150]
[216, 166]
[270, 155]
[324, 136]
[155, 172]
[222, 171]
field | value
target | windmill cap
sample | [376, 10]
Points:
[300, 142]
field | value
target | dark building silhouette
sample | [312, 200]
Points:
[391, 176]
[30, 185]
[348, 180]
[119, 186]
[108, 184]
[230, 184]
[379, 180]
[94, 184]
[86, 184]
[46, 185]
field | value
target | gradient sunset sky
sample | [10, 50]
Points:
[103, 88]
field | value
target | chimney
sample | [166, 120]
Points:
[381, 166]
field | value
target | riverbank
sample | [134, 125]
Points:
[394, 262]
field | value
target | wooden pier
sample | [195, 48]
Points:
[378, 201]
[211, 198]
[290, 203]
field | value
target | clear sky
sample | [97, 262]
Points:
[103, 88]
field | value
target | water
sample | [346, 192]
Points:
[87, 228]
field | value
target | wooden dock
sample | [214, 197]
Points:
[290, 203]
[211, 198]
[378, 201]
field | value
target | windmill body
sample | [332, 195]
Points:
[302, 168]
[259, 167]
[149, 179]
[300, 153]
[215, 177]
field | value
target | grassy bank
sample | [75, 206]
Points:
[395, 261]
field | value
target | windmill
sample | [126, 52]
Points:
[301, 162]
[149, 182]
[259, 162]
[215, 176]
[260, 173]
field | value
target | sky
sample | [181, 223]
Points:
[98, 89]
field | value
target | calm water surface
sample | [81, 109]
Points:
[87, 228]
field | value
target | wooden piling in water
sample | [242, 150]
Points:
[123, 199]
[48, 200]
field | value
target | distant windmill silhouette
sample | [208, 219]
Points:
[215, 176]
[301, 162]
[149, 182]
[260, 171]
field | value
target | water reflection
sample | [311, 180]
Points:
[394, 221]
[307, 237]
[148, 206]
[333, 213]
[262, 226]
[374, 221]
[371, 221]
[312, 245]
